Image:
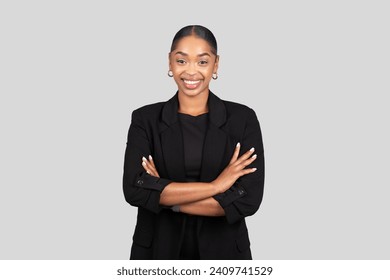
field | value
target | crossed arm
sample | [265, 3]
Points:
[196, 198]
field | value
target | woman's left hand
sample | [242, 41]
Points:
[149, 166]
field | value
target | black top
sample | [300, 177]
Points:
[194, 132]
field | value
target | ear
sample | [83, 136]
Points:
[216, 64]
[169, 61]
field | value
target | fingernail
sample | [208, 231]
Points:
[238, 144]
[147, 172]
[254, 169]
[143, 159]
[150, 157]
[254, 156]
[144, 163]
[252, 149]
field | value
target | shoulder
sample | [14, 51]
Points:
[149, 111]
[151, 107]
[237, 109]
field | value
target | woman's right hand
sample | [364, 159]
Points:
[234, 170]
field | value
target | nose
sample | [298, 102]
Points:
[191, 69]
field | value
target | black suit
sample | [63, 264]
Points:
[155, 131]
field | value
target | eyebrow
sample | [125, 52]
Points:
[184, 54]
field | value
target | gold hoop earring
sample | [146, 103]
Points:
[170, 73]
[215, 76]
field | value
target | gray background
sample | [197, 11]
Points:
[315, 72]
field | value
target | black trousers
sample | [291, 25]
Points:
[189, 248]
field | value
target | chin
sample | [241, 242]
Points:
[192, 93]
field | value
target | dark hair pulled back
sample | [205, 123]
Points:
[198, 31]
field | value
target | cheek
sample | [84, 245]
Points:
[208, 74]
[177, 79]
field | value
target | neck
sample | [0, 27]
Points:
[193, 105]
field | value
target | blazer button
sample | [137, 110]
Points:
[140, 182]
[240, 192]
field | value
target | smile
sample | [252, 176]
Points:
[191, 82]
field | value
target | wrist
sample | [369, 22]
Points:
[215, 186]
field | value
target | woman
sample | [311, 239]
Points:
[184, 166]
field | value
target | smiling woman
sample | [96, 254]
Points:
[184, 168]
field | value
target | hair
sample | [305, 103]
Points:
[198, 31]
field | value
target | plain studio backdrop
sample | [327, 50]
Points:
[315, 72]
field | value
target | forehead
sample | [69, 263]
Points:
[192, 45]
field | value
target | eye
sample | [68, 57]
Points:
[180, 61]
[203, 62]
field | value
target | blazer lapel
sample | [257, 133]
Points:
[172, 141]
[215, 142]
[213, 153]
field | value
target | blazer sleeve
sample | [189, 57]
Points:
[140, 189]
[245, 196]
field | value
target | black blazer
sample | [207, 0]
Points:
[155, 131]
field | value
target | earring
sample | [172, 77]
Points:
[215, 76]
[170, 73]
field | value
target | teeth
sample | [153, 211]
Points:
[191, 82]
